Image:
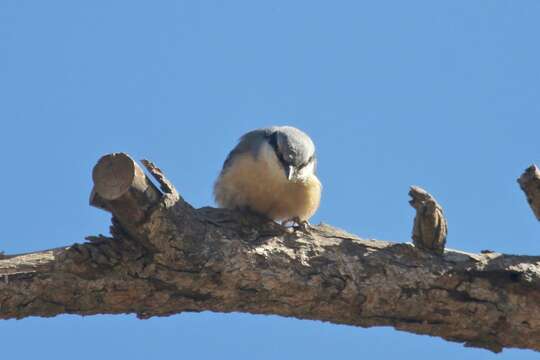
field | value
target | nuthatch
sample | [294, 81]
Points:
[271, 172]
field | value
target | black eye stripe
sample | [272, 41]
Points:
[273, 143]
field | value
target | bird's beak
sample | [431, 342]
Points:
[290, 172]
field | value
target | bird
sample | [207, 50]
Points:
[271, 171]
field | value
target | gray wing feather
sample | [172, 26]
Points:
[250, 142]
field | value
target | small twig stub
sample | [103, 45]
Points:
[529, 182]
[166, 186]
[430, 227]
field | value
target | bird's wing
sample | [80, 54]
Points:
[250, 142]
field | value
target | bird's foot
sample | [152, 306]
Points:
[297, 225]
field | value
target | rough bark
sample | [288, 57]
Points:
[430, 227]
[529, 182]
[166, 258]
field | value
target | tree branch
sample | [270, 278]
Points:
[164, 257]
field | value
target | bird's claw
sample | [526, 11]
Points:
[298, 225]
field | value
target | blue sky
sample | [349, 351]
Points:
[445, 95]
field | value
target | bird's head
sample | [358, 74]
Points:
[295, 151]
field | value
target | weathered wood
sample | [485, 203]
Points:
[223, 260]
[121, 184]
[529, 182]
[166, 186]
[430, 227]
[122, 188]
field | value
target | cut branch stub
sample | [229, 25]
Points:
[529, 182]
[430, 227]
[122, 188]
